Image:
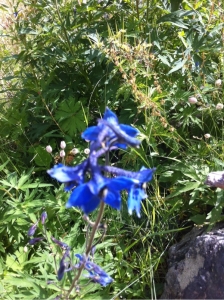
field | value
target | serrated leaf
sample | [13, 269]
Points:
[188, 187]
[71, 116]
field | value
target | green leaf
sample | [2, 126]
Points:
[178, 66]
[164, 60]
[198, 219]
[71, 116]
[42, 158]
[188, 187]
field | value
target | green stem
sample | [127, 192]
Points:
[89, 247]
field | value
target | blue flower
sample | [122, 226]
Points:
[136, 190]
[87, 196]
[71, 175]
[96, 273]
[109, 130]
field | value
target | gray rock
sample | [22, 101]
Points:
[196, 266]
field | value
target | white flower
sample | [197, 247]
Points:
[215, 179]
[207, 135]
[49, 149]
[74, 151]
[219, 106]
[87, 151]
[25, 249]
[218, 82]
[62, 153]
[62, 144]
[192, 100]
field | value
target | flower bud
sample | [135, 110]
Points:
[218, 82]
[207, 135]
[192, 100]
[35, 240]
[43, 217]
[62, 153]
[32, 229]
[61, 270]
[87, 151]
[62, 144]
[219, 106]
[74, 151]
[48, 149]
[25, 249]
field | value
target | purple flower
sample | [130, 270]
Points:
[63, 265]
[43, 217]
[60, 244]
[35, 240]
[96, 274]
[61, 269]
[32, 229]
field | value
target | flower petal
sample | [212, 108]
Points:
[110, 116]
[145, 175]
[134, 200]
[91, 133]
[120, 183]
[113, 199]
[83, 198]
[66, 174]
[129, 130]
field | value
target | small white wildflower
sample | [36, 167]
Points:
[207, 135]
[49, 149]
[192, 100]
[218, 82]
[219, 106]
[62, 144]
[25, 249]
[74, 151]
[62, 153]
[87, 151]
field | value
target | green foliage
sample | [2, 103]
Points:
[61, 64]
